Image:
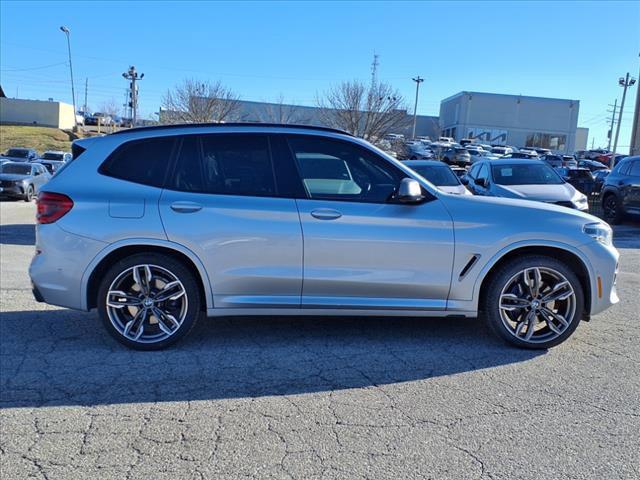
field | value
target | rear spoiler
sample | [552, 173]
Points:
[80, 145]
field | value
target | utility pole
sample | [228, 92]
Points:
[73, 91]
[132, 76]
[625, 83]
[374, 69]
[613, 119]
[86, 87]
[418, 81]
[634, 149]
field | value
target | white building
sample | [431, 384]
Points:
[515, 120]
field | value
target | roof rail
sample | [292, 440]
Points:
[234, 124]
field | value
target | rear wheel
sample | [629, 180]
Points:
[534, 302]
[149, 301]
[612, 209]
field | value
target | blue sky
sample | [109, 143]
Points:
[298, 49]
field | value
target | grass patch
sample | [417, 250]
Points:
[40, 138]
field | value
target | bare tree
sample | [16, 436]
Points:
[110, 107]
[281, 112]
[195, 101]
[367, 111]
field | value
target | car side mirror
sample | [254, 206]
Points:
[481, 182]
[410, 191]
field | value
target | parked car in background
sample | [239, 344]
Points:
[80, 118]
[446, 140]
[478, 154]
[621, 190]
[599, 177]
[98, 117]
[460, 172]
[606, 158]
[456, 156]
[22, 180]
[19, 154]
[55, 155]
[530, 152]
[569, 161]
[416, 151]
[440, 175]
[581, 178]
[540, 151]
[523, 154]
[554, 160]
[595, 153]
[253, 221]
[501, 151]
[525, 179]
[592, 165]
[126, 122]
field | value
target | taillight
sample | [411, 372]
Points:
[52, 207]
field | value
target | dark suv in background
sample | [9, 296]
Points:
[621, 190]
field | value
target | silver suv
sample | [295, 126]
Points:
[156, 226]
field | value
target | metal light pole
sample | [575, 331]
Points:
[418, 81]
[625, 82]
[73, 90]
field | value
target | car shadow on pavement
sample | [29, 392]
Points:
[18, 234]
[62, 357]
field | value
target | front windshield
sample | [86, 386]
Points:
[17, 153]
[525, 174]
[52, 156]
[439, 176]
[16, 169]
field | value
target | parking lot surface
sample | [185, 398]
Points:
[313, 398]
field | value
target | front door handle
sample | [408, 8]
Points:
[185, 207]
[325, 214]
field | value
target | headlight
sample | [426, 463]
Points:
[600, 231]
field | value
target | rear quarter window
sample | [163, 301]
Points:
[141, 161]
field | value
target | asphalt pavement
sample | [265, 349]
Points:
[312, 398]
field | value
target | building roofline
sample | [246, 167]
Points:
[231, 124]
[467, 92]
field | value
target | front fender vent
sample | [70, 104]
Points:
[472, 261]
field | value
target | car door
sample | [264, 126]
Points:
[482, 175]
[362, 248]
[222, 202]
[630, 186]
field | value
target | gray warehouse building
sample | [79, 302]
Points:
[516, 120]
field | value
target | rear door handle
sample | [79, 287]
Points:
[185, 207]
[325, 214]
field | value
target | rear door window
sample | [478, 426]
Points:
[141, 161]
[635, 169]
[227, 164]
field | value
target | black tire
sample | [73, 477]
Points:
[499, 280]
[177, 269]
[612, 209]
[28, 195]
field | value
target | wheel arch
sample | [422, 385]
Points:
[574, 259]
[115, 252]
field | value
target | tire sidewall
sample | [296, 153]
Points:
[174, 266]
[497, 283]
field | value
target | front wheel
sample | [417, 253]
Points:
[612, 210]
[28, 195]
[149, 301]
[534, 302]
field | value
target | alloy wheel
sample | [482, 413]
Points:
[537, 305]
[146, 303]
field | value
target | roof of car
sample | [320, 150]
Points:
[518, 161]
[424, 163]
[237, 124]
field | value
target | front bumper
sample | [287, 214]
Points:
[603, 275]
[13, 190]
